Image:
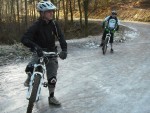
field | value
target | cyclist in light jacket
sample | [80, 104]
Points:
[110, 23]
[41, 36]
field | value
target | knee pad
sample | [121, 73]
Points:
[29, 68]
[52, 81]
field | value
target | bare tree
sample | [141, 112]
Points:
[86, 6]
[65, 11]
[71, 10]
[80, 12]
[26, 14]
[18, 14]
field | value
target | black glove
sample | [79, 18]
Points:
[113, 31]
[63, 55]
[117, 28]
[39, 51]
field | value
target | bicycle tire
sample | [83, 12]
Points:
[104, 48]
[32, 98]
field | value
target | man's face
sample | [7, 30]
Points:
[114, 15]
[48, 15]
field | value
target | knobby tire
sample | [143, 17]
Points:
[32, 98]
[104, 48]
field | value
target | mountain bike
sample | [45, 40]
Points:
[37, 79]
[106, 42]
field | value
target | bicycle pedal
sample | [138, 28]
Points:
[45, 84]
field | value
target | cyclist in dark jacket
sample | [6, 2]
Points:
[110, 23]
[41, 36]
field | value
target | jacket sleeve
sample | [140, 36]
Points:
[105, 21]
[60, 36]
[28, 37]
[117, 24]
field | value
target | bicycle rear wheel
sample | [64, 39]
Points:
[32, 98]
[104, 48]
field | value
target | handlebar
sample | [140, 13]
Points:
[47, 55]
[53, 54]
[110, 30]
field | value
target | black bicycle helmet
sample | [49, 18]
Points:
[114, 12]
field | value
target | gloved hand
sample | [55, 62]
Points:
[106, 29]
[63, 55]
[39, 51]
[113, 31]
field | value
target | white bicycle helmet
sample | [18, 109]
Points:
[45, 6]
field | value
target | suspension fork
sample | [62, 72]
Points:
[108, 35]
[31, 84]
[36, 72]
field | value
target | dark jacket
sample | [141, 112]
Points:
[43, 34]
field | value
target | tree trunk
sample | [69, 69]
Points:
[57, 12]
[12, 11]
[26, 14]
[66, 18]
[64, 11]
[71, 11]
[18, 19]
[80, 11]
[85, 6]
[34, 10]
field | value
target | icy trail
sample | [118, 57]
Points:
[88, 81]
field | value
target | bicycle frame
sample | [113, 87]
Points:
[108, 35]
[36, 72]
[106, 42]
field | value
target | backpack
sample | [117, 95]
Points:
[110, 17]
[55, 29]
[117, 26]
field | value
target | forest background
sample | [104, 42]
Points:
[75, 16]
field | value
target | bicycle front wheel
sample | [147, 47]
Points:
[32, 98]
[104, 48]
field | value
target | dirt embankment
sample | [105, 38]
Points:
[131, 11]
[134, 14]
[13, 53]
